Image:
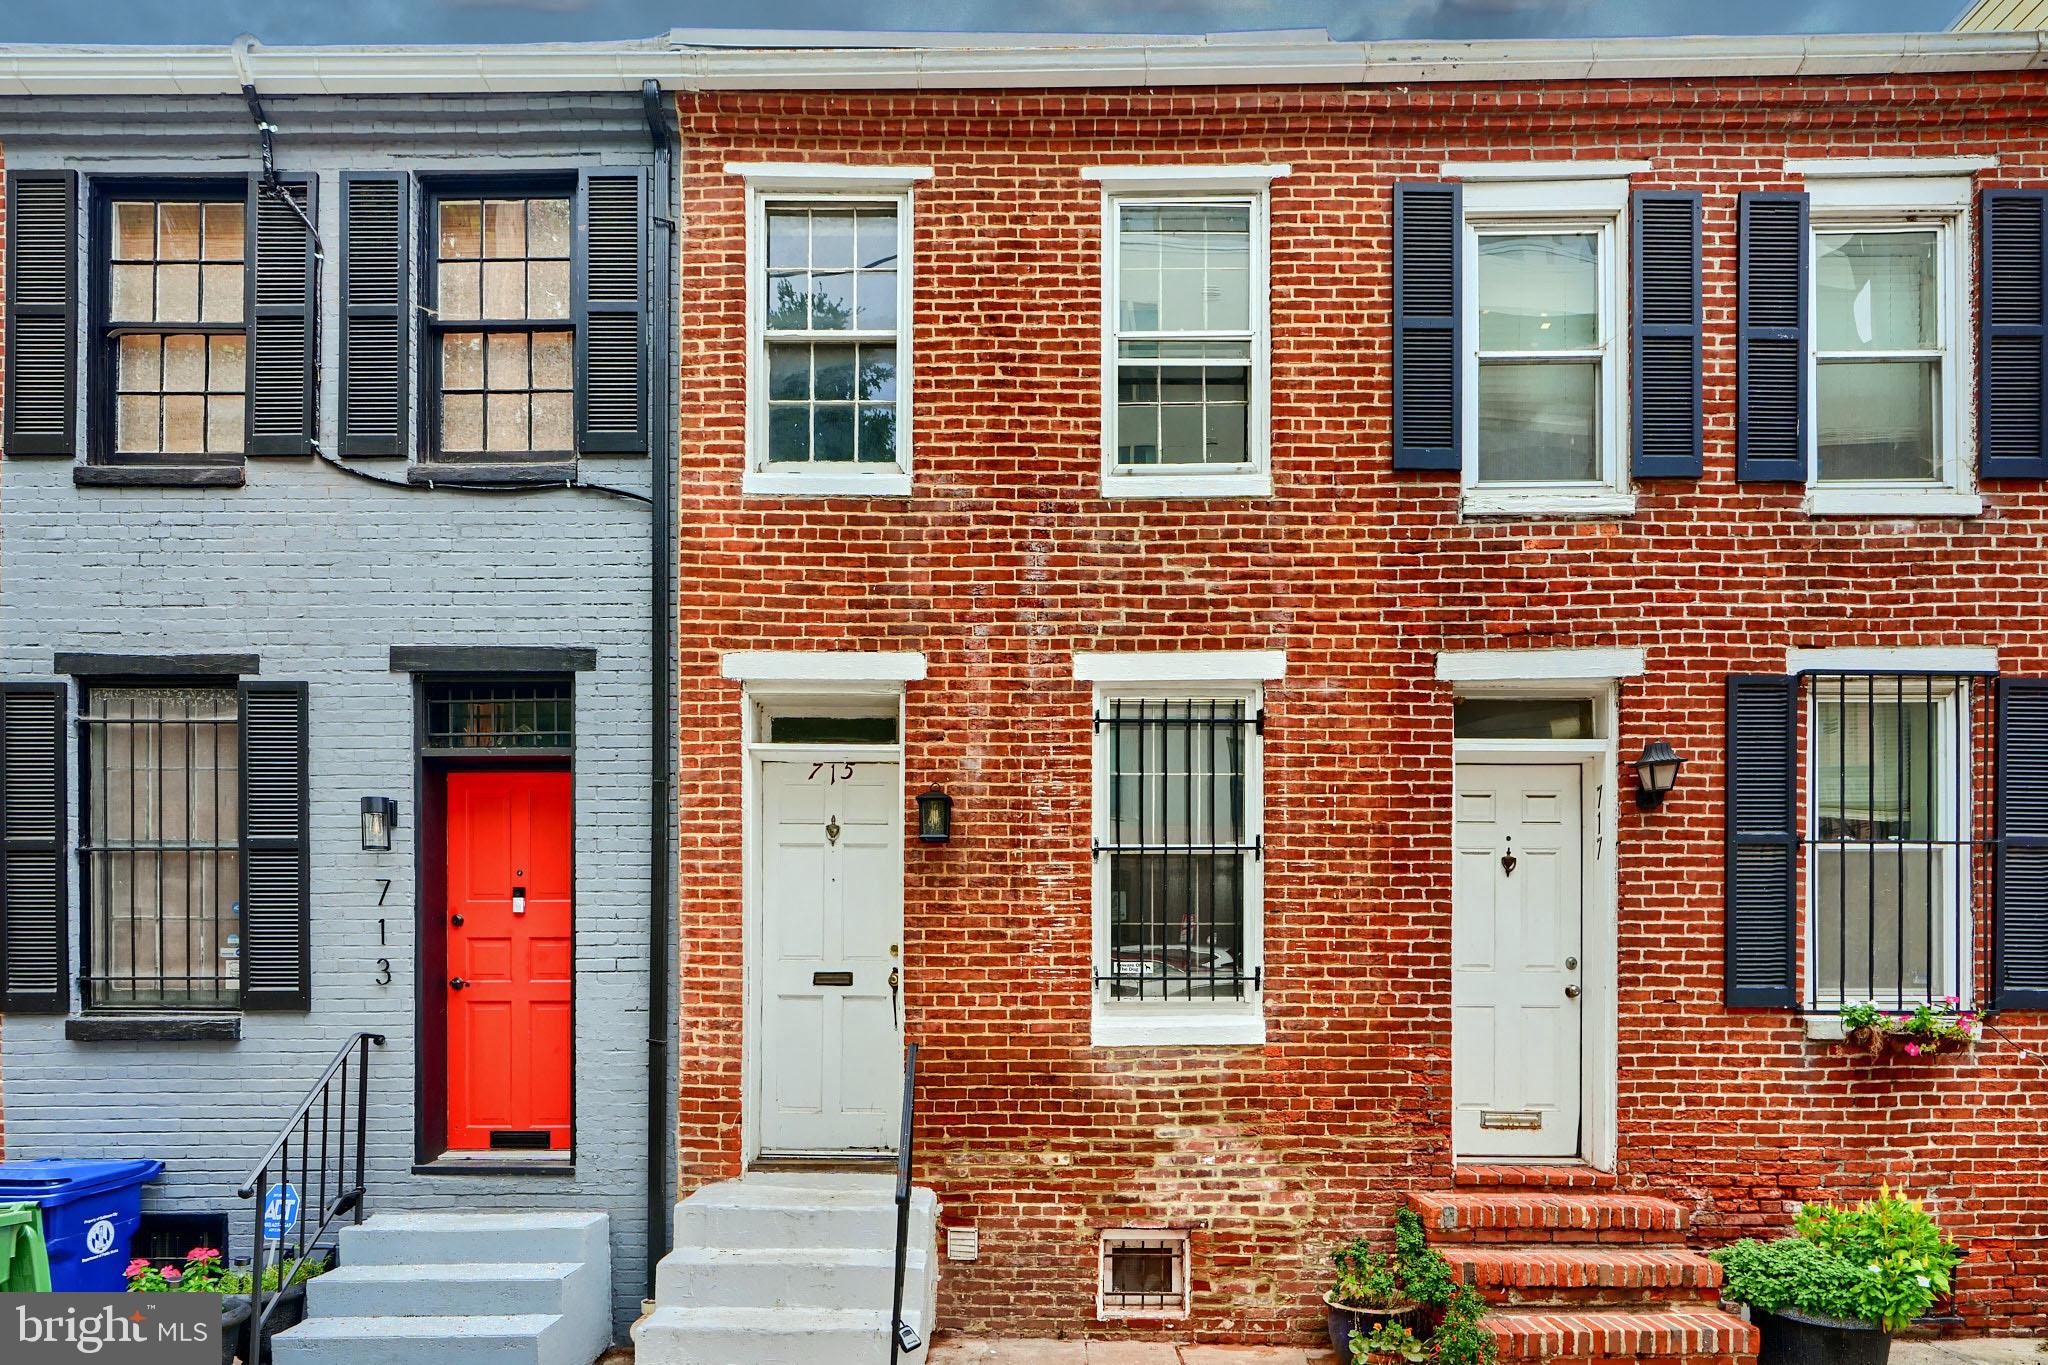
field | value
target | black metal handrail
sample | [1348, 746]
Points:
[339, 1175]
[902, 1336]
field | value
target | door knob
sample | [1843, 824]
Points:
[1571, 992]
[1571, 964]
[455, 920]
[456, 983]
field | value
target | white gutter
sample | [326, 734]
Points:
[590, 67]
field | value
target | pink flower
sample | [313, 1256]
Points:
[1952, 1001]
[174, 1274]
[203, 1254]
[137, 1266]
[1912, 1049]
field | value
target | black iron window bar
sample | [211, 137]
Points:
[536, 714]
[1179, 844]
[160, 850]
[1129, 1263]
[1900, 834]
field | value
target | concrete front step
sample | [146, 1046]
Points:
[492, 1289]
[1587, 1276]
[521, 1339]
[1696, 1336]
[445, 1238]
[852, 1212]
[781, 1277]
[677, 1335]
[1548, 1216]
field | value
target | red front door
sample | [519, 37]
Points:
[510, 959]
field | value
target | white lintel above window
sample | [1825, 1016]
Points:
[1894, 659]
[819, 177]
[1182, 666]
[1539, 665]
[1473, 172]
[1177, 179]
[1866, 167]
[823, 666]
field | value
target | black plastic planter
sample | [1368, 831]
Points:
[1792, 1338]
[234, 1320]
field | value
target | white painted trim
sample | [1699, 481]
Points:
[1197, 179]
[1471, 171]
[1603, 198]
[1221, 1027]
[883, 483]
[1895, 659]
[1894, 196]
[806, 175]
[1825, 501]
[1494, 500]
[1539, 665]
[822, 665]
[1814, 168]
[1184, 1272]
[1182, 666]
[1126, 483]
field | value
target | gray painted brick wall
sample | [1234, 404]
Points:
[321, 574]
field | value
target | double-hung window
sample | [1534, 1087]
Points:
[829, 329]
[1890, 343]
[1544, 389]
[161, 852]
[172, 336]
[1178, 847]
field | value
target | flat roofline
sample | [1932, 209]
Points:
[992, 62]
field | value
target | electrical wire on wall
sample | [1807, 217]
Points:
[272, 184]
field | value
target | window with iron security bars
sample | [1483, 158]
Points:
[1144, 1274]
[1899, 836]
[500, 714]
[1177, 849]
[161, 848]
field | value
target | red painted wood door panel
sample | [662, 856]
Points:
[511, 946]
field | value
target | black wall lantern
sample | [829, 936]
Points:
[1656, 773]
[380, 817]
[934, 817]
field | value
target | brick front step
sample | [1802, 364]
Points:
[1586, 1276]
[1548, 1216]
[1491, 1176]
[1695, 1336]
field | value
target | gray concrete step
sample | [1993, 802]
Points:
[776, 1277]
[674, 1335]
[851, 1212]
[491, 1289]
[444, 1238]
[523, 1339]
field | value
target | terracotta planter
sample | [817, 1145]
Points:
[1792, 1338]
[1344, 1320]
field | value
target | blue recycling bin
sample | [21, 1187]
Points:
[91, 1210]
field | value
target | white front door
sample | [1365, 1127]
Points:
[831, 1050]
[1517, 1003]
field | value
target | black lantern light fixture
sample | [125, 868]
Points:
[934, 816]
[1656, 773]
[380, 817]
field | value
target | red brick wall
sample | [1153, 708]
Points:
[1007, 561]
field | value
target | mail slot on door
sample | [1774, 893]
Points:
[831, 978]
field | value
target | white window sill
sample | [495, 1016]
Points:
[893, 483]
[1547, 502]
[1255, 484]
[1892, 502]
[1824, 1028]
[1165, 1026]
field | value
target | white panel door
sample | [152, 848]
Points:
[831, 1050]
[1517, 1004]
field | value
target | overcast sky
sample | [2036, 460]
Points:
[471, 21]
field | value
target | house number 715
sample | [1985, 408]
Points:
[832, 771]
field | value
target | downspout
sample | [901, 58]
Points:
[661, 755]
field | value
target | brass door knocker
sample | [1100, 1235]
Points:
[832, 830]
[1507, 859]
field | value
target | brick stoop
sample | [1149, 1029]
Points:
[1576, 1273]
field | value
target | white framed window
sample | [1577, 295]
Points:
[829, 367]
[1545, 395]
[1143, 1274]
[1888, 820]
[1185, 316]
[1890, 346]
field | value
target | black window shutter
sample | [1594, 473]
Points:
[1428, 299]
[276, 876]
[2013, 296]
[375, 331]
[609, 288]
[35, 938]
[1763, 841]
[42, 313]
[1770, 338]
[2019, 935]
[1664, 367]
[282, 314]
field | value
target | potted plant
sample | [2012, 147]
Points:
[203, 1271]
[1924, 1031]
[1366, 1295]
[286, 1284]
[1835, 1291]
[1390, 1343]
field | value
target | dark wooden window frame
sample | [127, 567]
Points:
[433, 191]
[103, 354]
